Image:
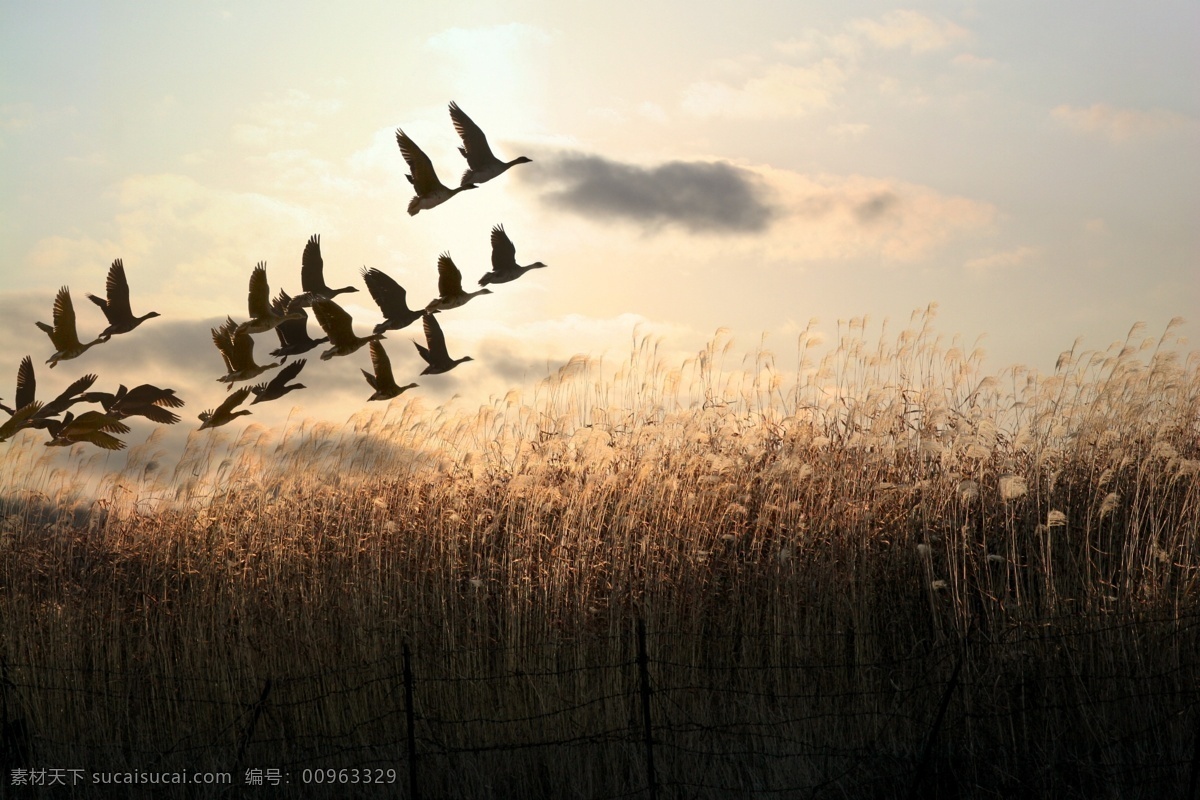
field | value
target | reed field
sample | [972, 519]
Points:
[865, 568]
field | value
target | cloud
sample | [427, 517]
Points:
[779, 91]
[910, 29]
[841, 217]
[1006, 259]
[701, 196]
[1120, 124]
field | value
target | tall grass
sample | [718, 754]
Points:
[854, 506]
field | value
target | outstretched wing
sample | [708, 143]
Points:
[475, 145]
[390, 296]
[449, 278]
[504, 252]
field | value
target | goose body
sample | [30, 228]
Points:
[504, 260]
[450, 291]
[430, 191]
[63, 334]
[339, 326]
[224, 413]
[277, 387]
[391, 299]
[383, 382]
[237, 350]
[482, 164]
[263, 316]
[144, 400]
[92, 427]
[434, 352]
[293, 330]
[116, 307]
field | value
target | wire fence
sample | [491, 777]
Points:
[1077, 708]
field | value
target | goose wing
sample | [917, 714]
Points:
[390, 296]
[475, 145]
[26, 383]
[64, 335]
[449, 278]
[423, 178]
[504, 252]
[312, 267]
[20, 419]
[221, 337]
[231, 402]
[64, 400]
[333, 319]
[290, 331]
[436, 352]
[259, 298]
[117, 289]
[383, 378]
[242, 349]
[287, 373]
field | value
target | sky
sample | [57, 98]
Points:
[1032, 168]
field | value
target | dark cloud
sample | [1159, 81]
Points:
[701, 196]
[876, 207]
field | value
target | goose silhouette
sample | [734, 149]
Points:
[224, 413]
[293, 330]
[116, 307]
[277, 387]
[392, 300]
[435, 353]
[450, 291]
[431, 192]
[63, 335]
[504, 260]
[263, 316]
[237, 350]
[383, 382]
[339, 327]
[482, 165]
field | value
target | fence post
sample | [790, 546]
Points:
[643, 660]
[937, 724]
[409, 719]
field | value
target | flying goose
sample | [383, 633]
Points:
[383, 381]
[339, 326]
[224, 413]
[312, 274]
[145, 400]
[435, 354]
[450, 291]
[391, 299]
[116, 307]
[430, 191]
[63, 333]
[293, 331]
[263, 316]
[504, 260]
[92, 427]
[277, 387]
[482, 165]
[237, 350]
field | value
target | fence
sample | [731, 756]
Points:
[1092, 706]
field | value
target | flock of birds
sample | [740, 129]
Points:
[284, 314]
